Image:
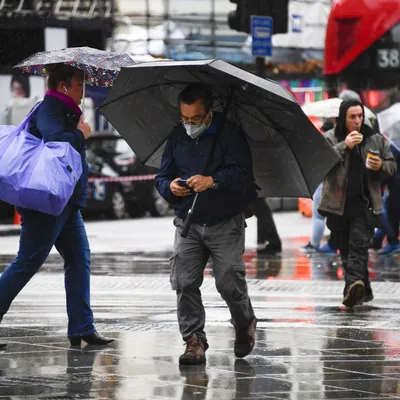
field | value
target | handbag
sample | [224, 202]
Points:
[36, 175]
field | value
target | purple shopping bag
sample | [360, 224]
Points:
[36, 175]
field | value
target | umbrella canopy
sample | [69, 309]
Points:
[101, 67]
[389, 122]
[290, 156]
[389, 117]
[329, 108]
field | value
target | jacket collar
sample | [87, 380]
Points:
[66, 100]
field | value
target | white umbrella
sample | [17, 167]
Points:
[329, 109]
[389, 117]
[389, 122]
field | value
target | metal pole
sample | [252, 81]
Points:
[213, 29]
[148, 24]
[167, 20]
[260, 66]
[84, 93]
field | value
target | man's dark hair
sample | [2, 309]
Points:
[341, 129]
[195, 92]
[62, 72]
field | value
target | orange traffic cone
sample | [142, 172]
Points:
[17, 218]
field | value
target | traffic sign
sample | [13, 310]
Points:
[261, 33]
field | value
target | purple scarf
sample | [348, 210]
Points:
[66, 100]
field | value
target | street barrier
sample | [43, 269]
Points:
[123, 178]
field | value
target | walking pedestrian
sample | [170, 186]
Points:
[318, 228]
[393, 207]
[58, 118]
[267, 234]
[210, 156]
[351, 195]
[386, 230]
[318, 220]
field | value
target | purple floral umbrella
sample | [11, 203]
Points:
[101, 67]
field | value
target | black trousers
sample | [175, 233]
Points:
[266, 229]
[354, 234]
[333, 240]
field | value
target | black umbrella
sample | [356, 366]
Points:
[290, 156]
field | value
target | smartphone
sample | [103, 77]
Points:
[183, 183]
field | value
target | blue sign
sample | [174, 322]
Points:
[261, 33]
[297, 23]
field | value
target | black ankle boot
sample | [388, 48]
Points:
[92, 339]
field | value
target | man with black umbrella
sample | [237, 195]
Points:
[351, 196]
[209, 156]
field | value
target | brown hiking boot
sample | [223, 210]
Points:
[195, 352]
[354, 294]
[245, 340]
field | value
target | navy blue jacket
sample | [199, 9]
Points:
[54, 121]
[230, 165]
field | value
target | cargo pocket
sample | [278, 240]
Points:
[178, 223]
[173, 278]
[238, 222]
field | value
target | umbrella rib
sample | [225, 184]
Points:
[137, 91]
[277, 100]
[257, 108]
[255, 117]
[228, 85]
[202, 81]
[287, 142]
[273, 126]
[219, 93]
[157, 147]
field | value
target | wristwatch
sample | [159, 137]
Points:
[215, 185]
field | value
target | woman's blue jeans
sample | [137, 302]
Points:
[39, 233]
[318, 221]
[388, 231]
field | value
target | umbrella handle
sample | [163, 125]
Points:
[189, 218]
[83, 94]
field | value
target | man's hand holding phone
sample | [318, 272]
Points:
[180, 188]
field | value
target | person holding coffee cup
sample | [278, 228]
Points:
[351, 196]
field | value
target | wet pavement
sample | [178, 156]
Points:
[308, 345]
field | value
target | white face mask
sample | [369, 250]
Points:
[195, 131]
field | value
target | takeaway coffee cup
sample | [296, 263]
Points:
[370, 154]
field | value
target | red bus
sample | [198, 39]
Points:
[362, 50]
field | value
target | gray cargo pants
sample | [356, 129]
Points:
[224, 242]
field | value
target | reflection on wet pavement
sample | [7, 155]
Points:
[292, 264]
[310, 364]
[308, 345]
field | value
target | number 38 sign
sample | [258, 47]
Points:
[388, 58]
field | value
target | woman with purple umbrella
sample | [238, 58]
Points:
[58, 118]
